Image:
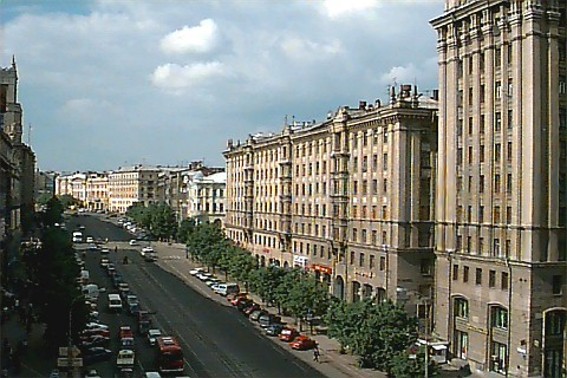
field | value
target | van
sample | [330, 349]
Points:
[114, 302]
[85, 276]
[227, 288]
[91, 292]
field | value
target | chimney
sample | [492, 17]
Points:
[435, 95]
[361, 105]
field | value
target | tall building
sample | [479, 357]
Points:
[501, 203]
[348, 198]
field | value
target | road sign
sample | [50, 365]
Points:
[64, 351]
[64, 362]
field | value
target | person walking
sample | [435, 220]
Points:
[316, 354]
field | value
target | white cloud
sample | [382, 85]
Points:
[176, 77]
[196, 39]
[339, 8]
[302, 48]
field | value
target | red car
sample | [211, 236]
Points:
[250, 309]
[303, 343]
[288, 334]
[125, 332]
[233, 297]
[237, 300]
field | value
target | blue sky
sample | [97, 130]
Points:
[109, 83]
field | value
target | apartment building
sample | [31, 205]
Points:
[129, 185]
[206, 198]
[348, 198]
[501, 203]
[97, 187]
[74, 185]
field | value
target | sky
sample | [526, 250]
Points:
[112, 83]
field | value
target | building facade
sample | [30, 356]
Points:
[131, 185]
[501, 204]
[206, 198]
[348, 198]
[96, 188]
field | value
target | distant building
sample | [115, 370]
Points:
[44, 183]
[349, 199]
[206, 198]
[129, 185]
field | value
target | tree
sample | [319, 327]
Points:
[242, 265]
[402, 366]
[53, 270]
[266, 281]
[185, 229]
[163, 222]
[375, 333]
[53, 212]
[68, 201]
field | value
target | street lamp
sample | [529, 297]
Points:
[70, 335]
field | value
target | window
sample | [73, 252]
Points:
[465, 274]
[425, 267]
[355, 187]
[352, 258]
[496, 218]
[481, 184]
[478, 276]
[461, 308]
[385, 162]
[482, 122]
[354, 234]
[504, 281]
[480, 214]
[382, 263]
[510, 119]
[481, 154]
[557, 284]
[374, 237]
[374, 162]
[361, 260]
[497, 183]
[374, 187]
[497, 152]
[509, 152]
[455, 272]
[499, 317]
[482, 93]
[497, 121]
[470, 125]
[498, 90]
[492, 278]
[372, 261]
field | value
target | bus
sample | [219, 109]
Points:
[169, 355]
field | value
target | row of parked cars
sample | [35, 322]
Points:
[270, 323]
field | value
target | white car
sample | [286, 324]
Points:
[153, 334]
[133, 242]
[146, 250]
[94, 325]
[212, 281]
[196, 271]
[204, 276]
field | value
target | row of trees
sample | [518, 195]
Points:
[379, 334]
[51, 271]
[158, 219]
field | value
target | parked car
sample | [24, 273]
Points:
[127, 343]
[95, 325]
[95, 354]
[93, 374]
[235, 297]
[242, 303]
[133, 242]
[274, 329]
[96, 331]
[211, 281]
[267, 320]
[250, 309]
[256, 314]
[203, 276]
[145, 250]
[89, 239]
[105, 251]
[303, 343]
[196, 271]
[288, 334]
[153, 334]
[94, 341]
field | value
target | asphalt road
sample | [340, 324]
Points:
[217, 340]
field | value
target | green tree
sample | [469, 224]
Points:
[376, 333]
[185, 229]
[163, 222]
[53, 212]
[266, 281]
[43, 198]
[68, 201]
[242, 265]
[53, 271]
[307, 296]
[402, 366]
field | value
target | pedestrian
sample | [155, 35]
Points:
[316, 354]
[115, 249]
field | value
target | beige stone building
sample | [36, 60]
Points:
[74, 185]
[97, 187]
[129, 185]
[501, 203]
[348, 198]
[206, 199]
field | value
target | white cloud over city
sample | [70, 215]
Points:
[170, 81]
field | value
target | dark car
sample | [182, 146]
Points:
[96, 354]
[248, 310]
[267, 320]
[243, 303]
[94, 341]
[87, 333]
[255, 315]
[274, 329]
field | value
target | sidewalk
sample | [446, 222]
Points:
[172, 258]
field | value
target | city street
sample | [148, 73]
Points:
[217, 340]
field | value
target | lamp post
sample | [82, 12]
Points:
[70, 336]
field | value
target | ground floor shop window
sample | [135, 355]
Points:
[461, 344]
